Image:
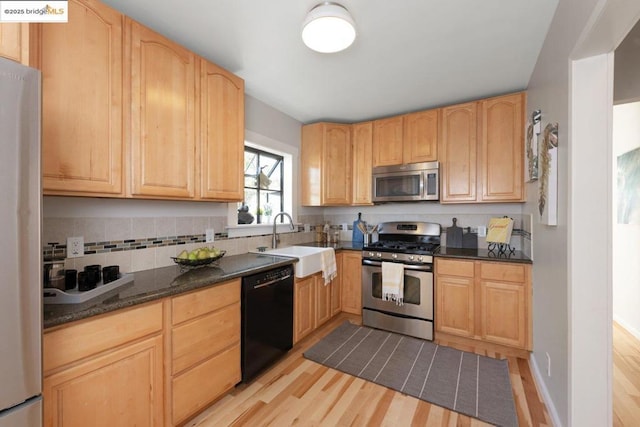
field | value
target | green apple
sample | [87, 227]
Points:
[183, 255]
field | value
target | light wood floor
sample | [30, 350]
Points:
[299, 392]
[626, 378]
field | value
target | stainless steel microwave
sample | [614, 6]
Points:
[406, 183]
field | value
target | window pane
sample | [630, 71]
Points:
[272, 202]
[251, 201]
[250, 168]
[276, 178]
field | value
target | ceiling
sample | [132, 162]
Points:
[408, 55]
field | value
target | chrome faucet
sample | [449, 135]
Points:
[275, 238]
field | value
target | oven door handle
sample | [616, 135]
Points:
[422, 267]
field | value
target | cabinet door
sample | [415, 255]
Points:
[455, 305]
[458, 153]
[82, 99]
[323, 301]
[504, 314]
[501, 148]
[222, 134]
[336, 165]
[352, 282]
[362, 135]
[121, 387]
[311, 164]
[387, 141]
[336, 288]
[304, 308]
[162, 116]
[14, 42]
[421, 136]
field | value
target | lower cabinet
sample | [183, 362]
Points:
[352, 282]
[314, 302]
[205, 348]
[105, 371]
[151, 365]
[489, 301]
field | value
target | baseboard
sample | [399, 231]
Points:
[542, 387]
[633, 331]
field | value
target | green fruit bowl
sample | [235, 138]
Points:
[183, 262]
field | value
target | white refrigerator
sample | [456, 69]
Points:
[21, 249]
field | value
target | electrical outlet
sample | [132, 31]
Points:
[482, 231]
[75, 247]
[209, 235]
[548, 365]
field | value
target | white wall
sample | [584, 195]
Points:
[626, 237]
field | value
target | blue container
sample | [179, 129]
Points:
[357, 236]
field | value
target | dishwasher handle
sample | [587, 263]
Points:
[271, 282]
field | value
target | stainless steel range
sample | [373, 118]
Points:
[413, 245]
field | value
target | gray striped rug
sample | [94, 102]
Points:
[464, 382]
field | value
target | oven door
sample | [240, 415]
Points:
[418, 290]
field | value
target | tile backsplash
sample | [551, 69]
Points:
[141, 243]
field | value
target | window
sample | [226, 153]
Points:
[263, 187]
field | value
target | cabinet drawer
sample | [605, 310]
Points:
[70, 343]
[451, 267]
[194, 304]
[198, 387]
[195, 341]
[503, 272]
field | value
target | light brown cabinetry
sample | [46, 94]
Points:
[420, 136]
[82, 116]
[314, 302]
[502, 148]
[481, 151]
[362, 136]
[352, 282]
[163, 140]
[326, 164]
[410, 138]
[14, 42]
[105, 371]
[205, 348]
[221, 134]
[489, 301]
[387, 141]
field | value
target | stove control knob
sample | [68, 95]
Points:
[379, 255]
[371, 254]
[394, 256]
[411, 258]
[420, 258]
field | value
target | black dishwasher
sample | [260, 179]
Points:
[267, 319]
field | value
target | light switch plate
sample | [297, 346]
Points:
[75, 247]
[209, 235]
[482, 231]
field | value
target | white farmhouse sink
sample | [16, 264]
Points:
[309, 258]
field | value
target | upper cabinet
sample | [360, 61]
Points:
[458, 153]
[421, 137]
[14, 42]
[411, 138]
[163, 132]
[502, 148]
[326, 164]
[362, 136]
[129, 113]
[387, 141]
[222, 134]
[481, 151]
[82, 121]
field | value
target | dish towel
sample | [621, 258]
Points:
[393, 282]
[329, 268]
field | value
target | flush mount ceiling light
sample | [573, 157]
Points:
[328, 28]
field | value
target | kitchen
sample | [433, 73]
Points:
[119, 212]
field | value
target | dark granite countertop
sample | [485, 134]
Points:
[483, 255]
[158, 283]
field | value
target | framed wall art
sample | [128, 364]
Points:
[533, 133]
